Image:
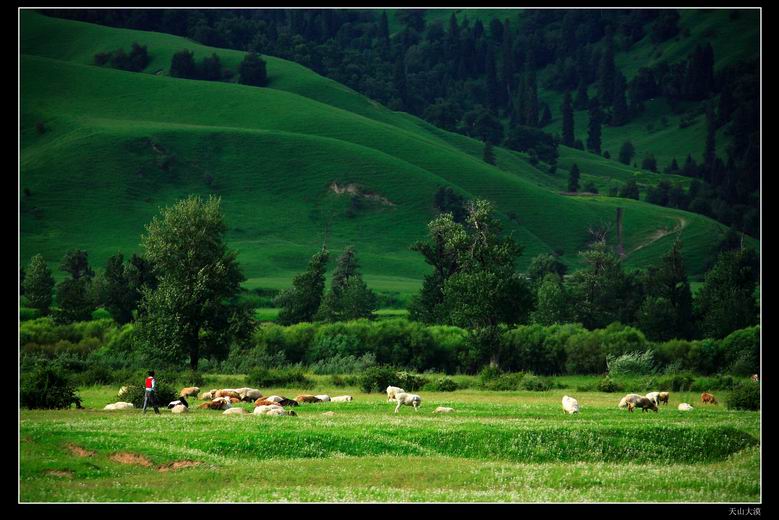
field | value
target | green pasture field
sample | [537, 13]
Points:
[495, 447]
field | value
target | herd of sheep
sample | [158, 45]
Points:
[224, 399]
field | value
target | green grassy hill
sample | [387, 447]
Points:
[120, 145]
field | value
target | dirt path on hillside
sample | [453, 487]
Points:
[660, 233]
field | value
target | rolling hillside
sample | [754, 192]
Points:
[119, 145]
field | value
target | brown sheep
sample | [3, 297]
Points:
[263, 402]
[307, 399]
[227, 393]
[287, 402]
[663, 397]
[189, 391]
[642, 403]
[708, 398]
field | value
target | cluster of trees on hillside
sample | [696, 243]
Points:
[135, 61]
[251, 71]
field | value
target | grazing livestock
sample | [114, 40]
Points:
[280, 411]
[407, 400]
[220, 403]
[181, 401]
[287, 402]
[264, 402]
[189, 391]
[250, 394]
[685, 407]
[392, 391]
[261, 410]
[275, 398]
[443, 409]
[234, 411]
[643, 403]
[708, 398]
[341, 399]
[324, 398]
[307, 399]
[663, 397]
[653, 396]
[228, 393]
[570, 405]
[207, 396]
[121, 405]
[755, 378]
[179, 408]
[630, 398]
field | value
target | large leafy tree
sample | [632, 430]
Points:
[302, 300]
[727, 302]
[118, 297]
[38, 284]
[189, 313]
[349, 297]
[74, 296]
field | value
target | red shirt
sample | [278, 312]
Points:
[149, 383]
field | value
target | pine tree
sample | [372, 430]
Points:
[38, 284]
[493, 93]
[606, 72]
[582, 101]
[118, 297]
[546, 116]
[573, 179]
[507, 64]
[619, 114]
[73, 294]
[349, 297]
[594, 127]
[710, 152]
[626, 152]
[301, 302]
[531, 96]
[568, 120]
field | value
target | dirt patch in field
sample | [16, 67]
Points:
[178, 464]
[131, 458]
[78, 451]
[66, 473]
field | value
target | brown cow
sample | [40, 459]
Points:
[708, 398]
[642, 403]
[307, 399]
[662, 397]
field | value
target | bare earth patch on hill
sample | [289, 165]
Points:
[660, 233]
[79, 451]
[131, 458]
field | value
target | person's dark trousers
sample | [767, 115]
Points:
[150, 397]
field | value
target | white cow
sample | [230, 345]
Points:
[409, 400]
[570, 405]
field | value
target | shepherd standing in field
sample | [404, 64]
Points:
[151, 389]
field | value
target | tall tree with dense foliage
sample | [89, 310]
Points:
[74, 297]
[301, 302]
[626, 152]
[543, 265]
[349, 297]
[489, 153]
[119, 298]
[253, 71]
[573, 178]
[38, 284]
[189, 313]
[727, 301]
[552, 301]
[182, 65]
[594, 127]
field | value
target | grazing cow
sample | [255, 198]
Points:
[570, 405]
[663, 397]
[392, 391]
[121, 405]
[307, 399]
[630, 398]
[755, 378]
[708, 398]
[341, 399]
[684, 407]
[189, 391]
[643, 403]
[324, 398]
[443, 409]
[407, 400]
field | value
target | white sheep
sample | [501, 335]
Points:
[323, 397]
[121, 405]
[392, 391]
[274, 398]
[280, 411]
[237, 410]
[264, 409]
[685, 407]
[408, 400]
[341, 399]
[570, 405]
[179, 408]
[443, 409]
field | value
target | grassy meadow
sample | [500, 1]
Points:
[119, 145]
[495, 447]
